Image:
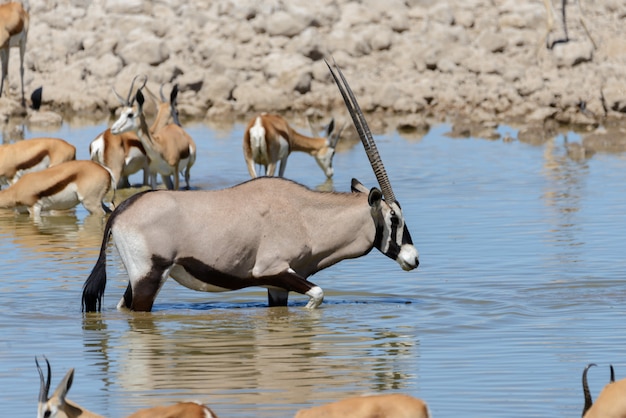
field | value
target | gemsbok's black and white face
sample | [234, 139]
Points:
[392, 235]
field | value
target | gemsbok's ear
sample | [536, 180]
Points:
[375, 197]
[357, 187]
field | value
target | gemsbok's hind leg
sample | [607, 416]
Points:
[142, 291]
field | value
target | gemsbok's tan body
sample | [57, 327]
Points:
[169, 148]
[31, 155]
[268, 232]
[58, 406]
[60, 187]
[611, 402]
[268, 140]
[123, 154]
[14, 22]
[372, 406]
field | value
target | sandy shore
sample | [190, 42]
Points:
[476, 63]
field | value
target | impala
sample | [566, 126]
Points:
[57, 405]
[611, 402]
[60, 187]
[14, 22]
[269, 139]
[169, 148]
[267, 232]
[30, 155]
[373, 406]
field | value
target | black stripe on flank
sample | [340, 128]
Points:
[209, 275]
[57, 187]
[33, 161]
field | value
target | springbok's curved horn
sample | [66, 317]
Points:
[586, 393]
[161, 93]
[120, 98]
[44, 387]
[612, 373]
[132, 85]
[364, 133]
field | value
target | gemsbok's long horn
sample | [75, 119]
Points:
[364, 133]
[586, 393]
[44, 383]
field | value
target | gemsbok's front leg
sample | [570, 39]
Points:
[291, 281]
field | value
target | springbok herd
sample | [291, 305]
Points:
[276, 243]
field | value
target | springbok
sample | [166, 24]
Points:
[123, 154]
[267, 232]
[373, 406]
[269, 139]
[60, 187]
[14, 22]
[611, 402]
[30, 155]
[169, 147]
[58, 405]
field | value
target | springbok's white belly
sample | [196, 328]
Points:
[65, 199]
[135, 161]
[179, 274]
[41, 165]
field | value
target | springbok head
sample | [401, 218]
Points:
[129, 119]
[56, 404]
[392, 235]
[324, 156]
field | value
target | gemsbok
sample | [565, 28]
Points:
[268, 232]
[59, 406]
[14, 21]
[60, 187]
[268, 140]
[36, 154]
[372, 406]
[611, 402]
[169, 148]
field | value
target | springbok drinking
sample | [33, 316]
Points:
[268, 141]
[267, 232]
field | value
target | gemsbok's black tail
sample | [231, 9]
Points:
[93, 289]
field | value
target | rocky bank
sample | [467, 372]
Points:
[476, 62]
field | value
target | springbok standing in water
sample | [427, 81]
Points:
[267, 232]
[60, 187]
[59, 406]
[31, 155]
[169, 148]
[268, 141]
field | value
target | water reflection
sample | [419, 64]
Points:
[563, 195]
[252, 356]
